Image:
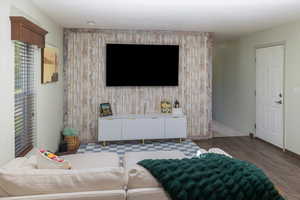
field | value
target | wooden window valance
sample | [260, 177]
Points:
[24, 30]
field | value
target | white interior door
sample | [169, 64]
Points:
[269, 94]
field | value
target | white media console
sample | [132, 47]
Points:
[141, 127]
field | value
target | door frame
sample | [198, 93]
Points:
[267, 45]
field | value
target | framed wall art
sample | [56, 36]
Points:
[166, 107]
[50, 64]
[105, 110]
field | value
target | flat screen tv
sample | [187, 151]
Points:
[142, 65]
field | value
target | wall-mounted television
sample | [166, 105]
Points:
[142, 65]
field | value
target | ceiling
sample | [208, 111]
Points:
[227, 18]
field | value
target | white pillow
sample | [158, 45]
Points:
[218, 151]
[201, 151]
[48, 160]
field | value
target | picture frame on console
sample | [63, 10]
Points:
[166, 107]
[105, 110]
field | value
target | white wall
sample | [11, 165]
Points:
[49, 97]
[238, 81]
[6, 87]
[224, 83]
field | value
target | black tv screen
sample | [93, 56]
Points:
[142, 65]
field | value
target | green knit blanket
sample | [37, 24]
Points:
[212, 177]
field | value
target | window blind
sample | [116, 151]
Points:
[24, 97]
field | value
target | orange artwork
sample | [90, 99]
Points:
[50, 65]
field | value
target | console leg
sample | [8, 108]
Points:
[180, 140]
[143, 141]
[104, 143]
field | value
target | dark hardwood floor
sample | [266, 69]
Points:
[282, 168]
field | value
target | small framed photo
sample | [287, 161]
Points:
[166, 107]
[105, 110]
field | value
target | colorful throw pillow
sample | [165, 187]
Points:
[48, 160]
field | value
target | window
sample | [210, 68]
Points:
[24, 97]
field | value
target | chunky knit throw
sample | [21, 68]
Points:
[212, 177]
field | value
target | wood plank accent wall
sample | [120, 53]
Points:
[26, 31]
[84, 73]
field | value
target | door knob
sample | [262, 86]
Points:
[278, 102]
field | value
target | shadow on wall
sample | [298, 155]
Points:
[220, 130]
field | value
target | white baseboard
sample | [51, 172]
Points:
[221, 130]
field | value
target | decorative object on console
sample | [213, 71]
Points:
[176, 104]
[166, 107]
[105, 110]
[177, 110]
[48, 160]
[49, 64]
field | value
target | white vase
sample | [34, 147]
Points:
[177, 111]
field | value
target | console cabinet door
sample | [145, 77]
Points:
[136, 129]
[175, 127]
[155, 129]
[110, 130]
